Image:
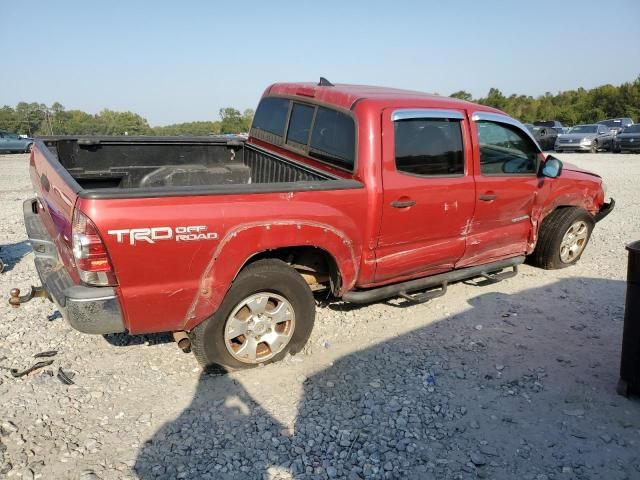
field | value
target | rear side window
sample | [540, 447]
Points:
[333, 138]
[271, 115]
[429, 146]
[300, 124]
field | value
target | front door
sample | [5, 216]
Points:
[506, 164]
[429, 193]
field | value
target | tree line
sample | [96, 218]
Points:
[570, 107]
[36, 119]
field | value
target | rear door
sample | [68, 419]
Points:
[428, 192]
[605, 136]
[506, 163]
[13, 141]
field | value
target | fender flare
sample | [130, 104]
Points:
[245, 241]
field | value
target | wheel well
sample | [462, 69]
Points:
[317, 266]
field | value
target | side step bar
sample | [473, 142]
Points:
[442, 279]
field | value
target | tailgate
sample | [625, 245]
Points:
[56, 192]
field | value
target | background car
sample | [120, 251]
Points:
[617, 124]
[555, 124]
[628, 139]
[12, 142]
[545, 136]
[585, 138]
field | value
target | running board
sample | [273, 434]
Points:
[426, 296]
[487, 270]
[495, 277]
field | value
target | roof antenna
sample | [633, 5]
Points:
[325, 83]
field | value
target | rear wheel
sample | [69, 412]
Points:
[268, 312]
[562, 238]
[29, 148]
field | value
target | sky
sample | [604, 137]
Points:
[178, 61]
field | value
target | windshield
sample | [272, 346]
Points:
[611, 123]
[633, 129]
[547, 123]
[584, 129]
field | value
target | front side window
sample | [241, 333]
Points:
[271, 115]
[505, 150]
[333, 138]
[300, 124]
[429, 146]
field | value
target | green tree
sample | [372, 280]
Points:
[9, 119]
[189, 128]
[231, 120]
[462, 95]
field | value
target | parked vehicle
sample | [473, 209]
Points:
[585, 138]
[367, 192]
[555, 124]
[628, 139]
[616, 125]
[545, 136]
[12, 142]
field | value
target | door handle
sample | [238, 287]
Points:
[488, 197]
[403, 203]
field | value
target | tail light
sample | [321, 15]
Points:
[90, 252]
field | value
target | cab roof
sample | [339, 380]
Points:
[346, 96]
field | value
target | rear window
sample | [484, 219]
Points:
[319, 132]
[333, 138]
[300, 124]
[271, 115]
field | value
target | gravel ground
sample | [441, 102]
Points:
[513, 380]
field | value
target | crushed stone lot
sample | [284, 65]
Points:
[514, 380]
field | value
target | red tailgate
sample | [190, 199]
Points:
[56, 192]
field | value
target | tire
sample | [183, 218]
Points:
[552, 251]
[270, 286]
[28, 149]
[594, 147]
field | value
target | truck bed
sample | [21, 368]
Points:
[105, 167]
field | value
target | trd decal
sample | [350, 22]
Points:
[151, 235]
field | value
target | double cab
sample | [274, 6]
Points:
[363, 192]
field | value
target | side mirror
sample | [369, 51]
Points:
[552, 168]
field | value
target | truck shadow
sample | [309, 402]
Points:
[533, 389]
[12, 253]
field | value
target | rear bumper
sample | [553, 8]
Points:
[605, 210]
[87, 309]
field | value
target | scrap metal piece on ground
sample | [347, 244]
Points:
[65, 377]
[36, 366]
[47, 354]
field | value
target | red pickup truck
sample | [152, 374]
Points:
[368, 192]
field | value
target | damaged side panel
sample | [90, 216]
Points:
[244, 241]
